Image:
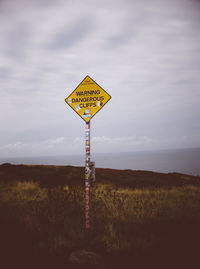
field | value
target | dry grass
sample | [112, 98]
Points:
[125, 221]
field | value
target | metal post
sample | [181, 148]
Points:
[87, 175]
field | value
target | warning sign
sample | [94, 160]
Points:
[87, 99]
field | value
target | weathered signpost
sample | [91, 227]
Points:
[86, 100]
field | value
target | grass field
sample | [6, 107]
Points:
[139, 219]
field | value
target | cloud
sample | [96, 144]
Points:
[71, 35]
[141, 143]
[49, 143]
[123, 144]
[57, 146]
[20, 35]
[52, 142]
[17, 146]
[61, 145]
[5, 73]
[144, 53]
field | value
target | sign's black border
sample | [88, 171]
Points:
[75, 90]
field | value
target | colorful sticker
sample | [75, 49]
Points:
[87, 111]
[87, 213]
[100, 103]
[87, 184]
[87, 157]
[87, 170]
[77, 107]
[87, 114]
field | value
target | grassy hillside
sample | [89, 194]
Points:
[139, 219]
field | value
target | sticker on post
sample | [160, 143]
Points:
[86, 113]
[77, 107]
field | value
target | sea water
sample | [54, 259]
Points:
[186, 161]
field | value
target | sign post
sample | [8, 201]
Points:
[86, 100]
[87, 175]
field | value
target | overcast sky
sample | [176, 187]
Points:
[145, 54]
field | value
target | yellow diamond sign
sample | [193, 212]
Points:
[87, 99]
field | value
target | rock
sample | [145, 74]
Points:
[85, 259]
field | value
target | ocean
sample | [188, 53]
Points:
[186, 161]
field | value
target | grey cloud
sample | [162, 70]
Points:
[17, 41]
[181, 82]
[5, 73]
[115, 41]
[72, 35]
[127, 26]
[46, 3]
[146, 55]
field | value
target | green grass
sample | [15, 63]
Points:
[130, 227]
